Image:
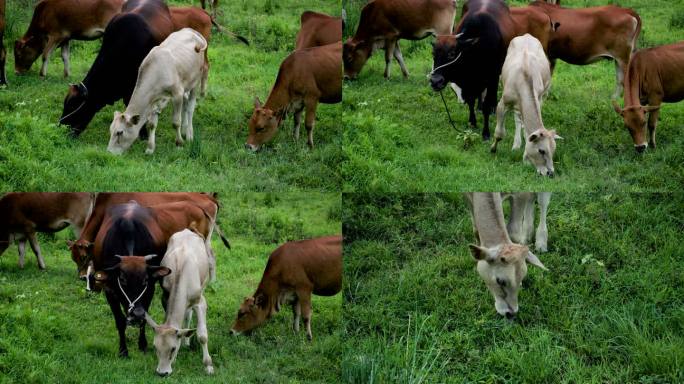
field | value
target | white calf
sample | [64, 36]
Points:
[188, 258]
[526, 78]
[175, 70]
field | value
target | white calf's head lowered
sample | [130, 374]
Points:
[503, 269]
[167, 341]
[123, 132]
[540, 146]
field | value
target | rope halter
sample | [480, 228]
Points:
[131, 304]
[79, 107]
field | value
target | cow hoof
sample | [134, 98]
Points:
[149, 151]
[210, 370]
[123, 354]
[179, 143]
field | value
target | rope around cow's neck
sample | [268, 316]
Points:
[451, 121]
[131, 304]
[444, 65]
[77, 109]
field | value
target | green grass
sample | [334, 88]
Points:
[52, 330]
[609, 310]
[37, 155]
[397, 135]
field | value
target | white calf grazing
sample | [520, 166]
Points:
[526, 78]
[188, 259]
[501, 263]
[521, 221]
[175, 70]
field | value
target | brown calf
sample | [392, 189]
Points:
[3, 52]
[654, 76]
[384, 22]
[318, 29]
[294, 271]
[587, 35]
[55, 23]
[24, 214]
[306, 77]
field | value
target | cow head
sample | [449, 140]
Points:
[503, 269]
[539, 149]
[77, 111]
[446, 52]
[81, 254]
[263, 125]
[123, 132]
[354, 56]
[26, 51]
[167, 342]
[635, 121]
[253, 312]
[133, 280]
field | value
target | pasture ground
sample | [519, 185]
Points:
[397, 136]
[53, 331]
[609, 310]
[36, 153]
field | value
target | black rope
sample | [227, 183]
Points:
[451, 121]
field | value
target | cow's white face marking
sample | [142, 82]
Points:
[123, 132]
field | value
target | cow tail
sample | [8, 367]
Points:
[223, 30]
[213, 221]
[637, 32]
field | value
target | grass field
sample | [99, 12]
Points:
[37, 155]
[397, 136]
[52, 330]
[609, 310]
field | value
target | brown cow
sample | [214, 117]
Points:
[306, 77]
[199, 20]
[318, 29]
[294, 271]
[3, 52]
[536, 22]
[654, 76]
[82, 249]
[55, 23]
[24, 214]
[384, 22]
[590, 34]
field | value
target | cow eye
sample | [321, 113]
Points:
[542, 152]
[501, 282]
[260, 129]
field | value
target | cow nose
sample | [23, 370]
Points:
[640, 148]
[510, 315]
[234, 332]
[251, 147]
[138, 312]
[437, 82]
[550, 174]
[163, 374]
[346, 77]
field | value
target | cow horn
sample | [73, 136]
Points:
[119, 256]
[150, 257]
[459, 34]
[150, 321]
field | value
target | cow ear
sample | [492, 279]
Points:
[70, 243]
[555, 26]
[534, 260]
[260, 300]
[555, 135]
[650, 108]
[113, 268]
[482, 253]
[187, 332]
[257, 103]
[158, 272]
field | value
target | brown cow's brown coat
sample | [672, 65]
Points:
[318, 29]
[306, 77]
[3, 52]
[294, 271]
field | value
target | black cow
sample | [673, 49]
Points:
[473, 58]
[127, 40]
[128, 232]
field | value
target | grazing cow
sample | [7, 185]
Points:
[521, 222]
[472, 59]
[3, 52]
[654, 77]
[318, 29]
[82, 249]
[188, 258]
[55, 23]
[24, 214]
[294, 271]
[590, 34]
[384, 22]
[501, 263]
[306, 77]
[175, 71]
[128, 38]
[526, 80]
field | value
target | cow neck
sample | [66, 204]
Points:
[489, 219]
[531, 108]
[268, 287]
[279, 99]
[632, 86]
[178, 297]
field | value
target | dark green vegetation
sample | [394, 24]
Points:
[609, 310]
[36, 154]
[52, 330]
[397, 135]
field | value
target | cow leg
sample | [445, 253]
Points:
[528, 220]
[471, 118]
[296, 314]
[142, 340]
[457, 92]
[652, 124]
[500, 132]
[389, 51]
[203, 335]
[297, 123]
[165, 299]
[151, 133]
[177, 111]
[304, 299]
[519, 130]
[52, 43]
[120, 321]
[3, 57]
[188, 324]
[36, 249]
[310, 119]
[489, 102]
[189, 112]
[620, 71]
[65, 58]
[515, 221]
[542, 235]
[400, 60]
[22, 252]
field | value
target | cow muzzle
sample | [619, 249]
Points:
[136, 316]
[251, 147]
[437, 82]
[641, 147]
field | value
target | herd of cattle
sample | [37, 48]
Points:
[521, 45]
[152, 54]
[127, 242]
